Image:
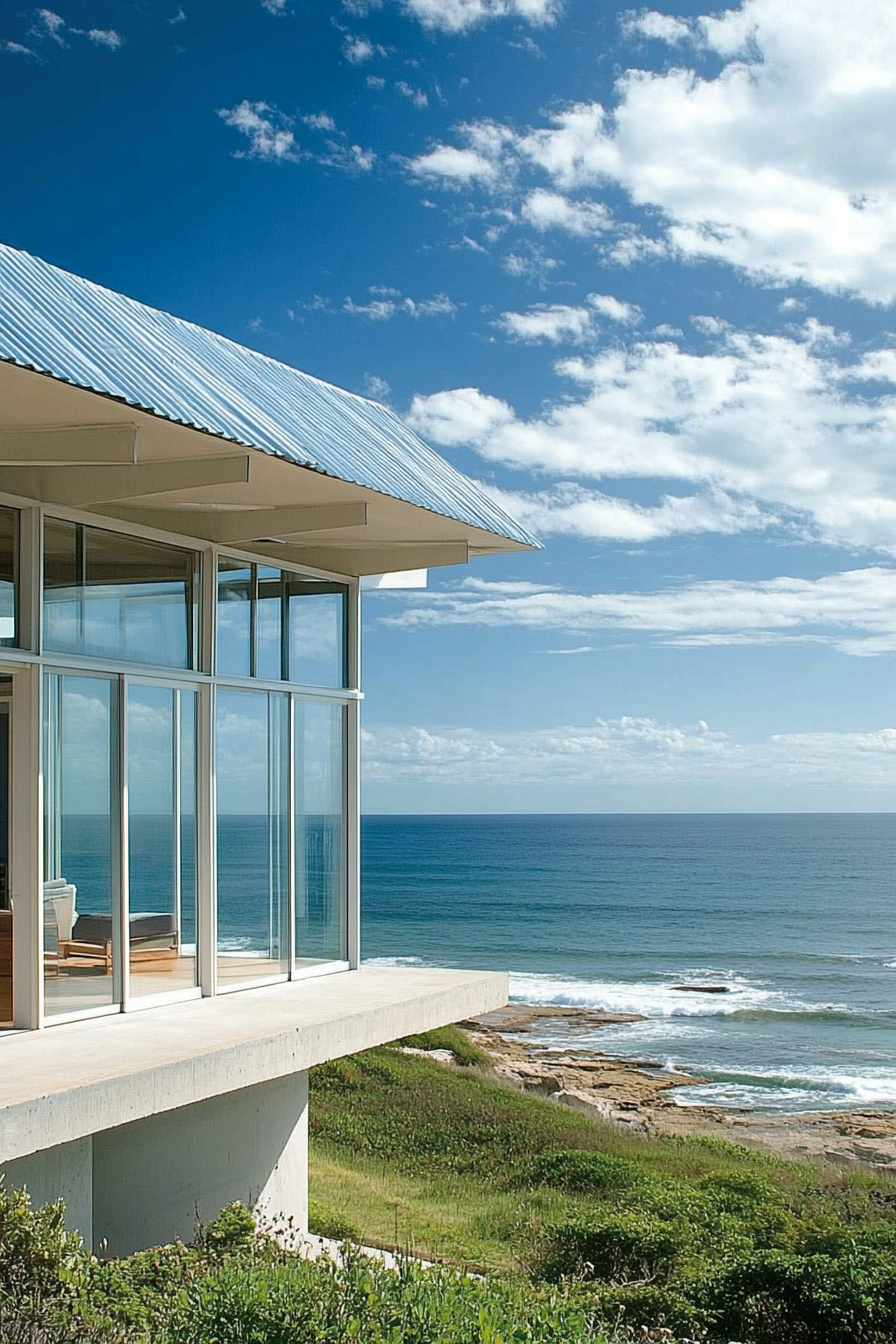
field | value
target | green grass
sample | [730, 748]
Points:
[453, 1166]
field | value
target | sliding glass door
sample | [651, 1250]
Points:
[161, 779]
[81, 894]
[252, 768]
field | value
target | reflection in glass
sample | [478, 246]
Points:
[252, 751]
[320, 832]
[117, 597]
[316, 633]
[9, 547]
[81, 851]
[269, 659]
[279, 626]
[236, 601]
[161, 789]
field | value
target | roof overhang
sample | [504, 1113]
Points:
[80, 449]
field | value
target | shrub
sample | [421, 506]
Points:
[579, 1172]
[616, 1247]
[449, 1038]
[774, 1296]
[44, 1277]
[234, 1226]
[325, 1222]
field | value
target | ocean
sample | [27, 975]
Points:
[794, 914]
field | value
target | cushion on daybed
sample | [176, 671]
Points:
[98, 928]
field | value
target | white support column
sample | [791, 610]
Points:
[26, 848]
[291, 833]
[206, 843]
[353, 781]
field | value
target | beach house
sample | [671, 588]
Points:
[185, 527]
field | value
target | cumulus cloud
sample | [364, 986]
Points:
[853, 611]
[793, 422]
[630, 750]
[483, 157]
[415, 96]
[553, 322]
[462, 415]
[572, 511]
[549, 210]
[459, 16]
[705, 152]
[271, 137]
[48, 26]
[387, 303]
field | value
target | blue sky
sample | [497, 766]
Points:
[633, 270]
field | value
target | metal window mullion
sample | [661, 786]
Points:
[351, 812]
[176, 805]
[253, 621]
[26, 848]
[291, 833]
[121, 945]
[206, 842]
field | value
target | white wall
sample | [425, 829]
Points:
[64, 1172]
[153, 1178]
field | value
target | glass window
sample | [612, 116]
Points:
[252, 769]
[9, 551]
[236, 593]
[81, 843]
[279, 626]
[320, 833]
[118, 597]
[161, 767]
[316, 632]
[269, 662]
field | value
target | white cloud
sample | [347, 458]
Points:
[816, 204]
[853, 611]
[266, 129]
[357, 50]
[387, 303]
[630, 750]
[779, 162]
[660, 27]
[572, 511]
[554, 322]
[791, 422]
[17, 49]
[415, 96]
[617, 310]
[533, 265]
[375, 82]
[49, 25]
[462, 415]
[483, 157]
[274, 6]
[102, 37]
[549, 210]
[459, 16]
[271, 137]
[376, 387]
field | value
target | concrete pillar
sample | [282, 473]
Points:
[64, 1172]
[153, 1178]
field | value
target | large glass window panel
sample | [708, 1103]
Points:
[236, 601]
[9, 549]
[320, 832]
[161, 771]
[115, 596]
[81, 843]
[252, 759]
[316, 632]
[269, 657]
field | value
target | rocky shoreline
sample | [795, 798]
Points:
[636, 1093]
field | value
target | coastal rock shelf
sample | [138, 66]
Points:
[636, 1093]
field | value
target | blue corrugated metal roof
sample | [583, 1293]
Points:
[66, 326]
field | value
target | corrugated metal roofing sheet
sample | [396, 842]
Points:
[64, 325]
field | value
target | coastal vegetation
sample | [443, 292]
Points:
[545, 1224]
